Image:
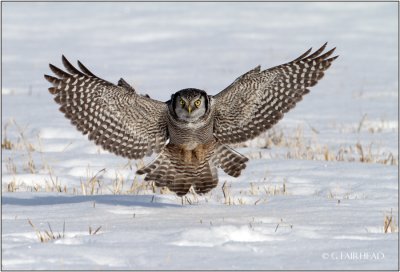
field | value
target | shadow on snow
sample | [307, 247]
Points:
[118, 200]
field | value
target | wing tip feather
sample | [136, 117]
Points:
[85, 70]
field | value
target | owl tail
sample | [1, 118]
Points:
[179, 171]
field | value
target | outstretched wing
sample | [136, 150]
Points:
[258, 99]
[114, 116]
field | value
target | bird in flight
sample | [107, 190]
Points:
[193, 130]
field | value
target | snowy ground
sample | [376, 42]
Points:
[316, 190]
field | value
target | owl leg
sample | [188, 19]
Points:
[187, 156]
[200, 153]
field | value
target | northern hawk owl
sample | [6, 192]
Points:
[191, 131]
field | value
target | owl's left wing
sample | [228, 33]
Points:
[258, 99]
[114, 116]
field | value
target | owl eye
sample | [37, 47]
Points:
[182, 102]
[197, 103]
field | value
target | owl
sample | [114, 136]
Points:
[192, 131]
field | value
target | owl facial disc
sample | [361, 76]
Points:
[190, 104]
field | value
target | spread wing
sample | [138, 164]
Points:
[258, 99]
[114, 116]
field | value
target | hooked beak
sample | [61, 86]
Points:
[189, 109]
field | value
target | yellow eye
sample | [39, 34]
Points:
[197, 103]
[182, 102]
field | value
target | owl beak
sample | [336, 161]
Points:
[189, 109]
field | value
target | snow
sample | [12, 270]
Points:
[305, 201]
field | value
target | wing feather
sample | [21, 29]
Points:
[258, 99]
[114, 116]
[70, 68]
[85, 70]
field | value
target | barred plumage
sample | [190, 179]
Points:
[105, 112]
[258, 99]
[196, 126]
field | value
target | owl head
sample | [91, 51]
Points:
[190, 104]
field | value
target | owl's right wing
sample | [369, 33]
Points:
[114, 116]
[258, 99]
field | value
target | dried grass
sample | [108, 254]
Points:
[12, 186]
[10, 166]
[5, 143]
[389, 223]
[301, 147]
[92, 184]
[93, 232]
[47, 235]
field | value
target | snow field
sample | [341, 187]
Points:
[320, 190]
